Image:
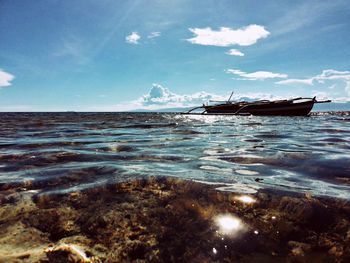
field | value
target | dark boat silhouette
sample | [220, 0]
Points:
[292, 107]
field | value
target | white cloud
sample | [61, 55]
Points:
[331, 76]
[235, 52]
[160, 97]
[153, 35]
[5, 78]
[133, 38]
[327, 74]
[295, 81]
[226, 36]
[258, 75]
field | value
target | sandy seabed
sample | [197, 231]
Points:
[171, 220]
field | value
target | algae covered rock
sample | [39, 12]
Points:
[172, 220]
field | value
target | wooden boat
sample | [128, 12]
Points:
[292, 107]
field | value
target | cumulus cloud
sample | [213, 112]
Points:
[258, 75]
[133, 38]
[226, 36]
[5, 78]
[235, 52]
[153, 35]
[160, 97]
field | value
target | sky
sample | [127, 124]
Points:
[120, 55]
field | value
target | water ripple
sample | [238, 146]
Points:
[66, 151]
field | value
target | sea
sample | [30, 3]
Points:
[69, 151]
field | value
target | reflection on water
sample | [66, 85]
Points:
[246, 199]
[229, 224]
[70, 151]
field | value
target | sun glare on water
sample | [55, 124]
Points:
[228, 224]
[246, 199]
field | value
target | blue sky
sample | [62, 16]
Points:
[111, 55]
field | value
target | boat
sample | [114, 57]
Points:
[292, 107]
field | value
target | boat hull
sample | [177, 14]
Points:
[264, 109]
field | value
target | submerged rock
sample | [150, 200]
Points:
[66, 253]
[172, 220]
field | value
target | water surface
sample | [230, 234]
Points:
[64, 152]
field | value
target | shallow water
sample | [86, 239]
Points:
[62, 152]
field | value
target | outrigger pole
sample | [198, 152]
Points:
[196, 108]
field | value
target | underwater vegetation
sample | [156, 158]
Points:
[162, 219]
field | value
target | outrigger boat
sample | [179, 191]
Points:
[292, 107]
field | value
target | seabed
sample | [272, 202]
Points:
[170, 220]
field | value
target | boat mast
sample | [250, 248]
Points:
[230, 97]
